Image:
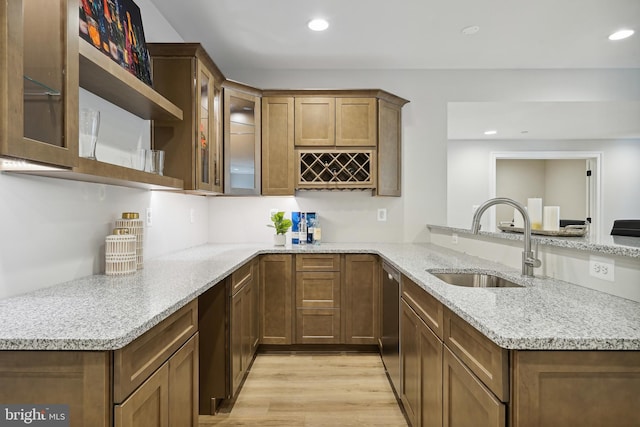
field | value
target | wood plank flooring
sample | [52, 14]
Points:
[344, 389]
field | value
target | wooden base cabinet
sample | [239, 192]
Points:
[152, 381]
[467, 402]
[361, 310]
[318, 299]
[243, 322]
[576, 388]
[167, 398]
[81, 379]
[276, 287]
[421, 367]
[155, 377]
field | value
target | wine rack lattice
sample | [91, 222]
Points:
[336, 169]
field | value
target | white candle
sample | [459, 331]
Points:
[518, 219]
[534, 207]
[551, 218]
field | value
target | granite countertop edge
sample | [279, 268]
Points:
[629, 248]
[101, 313]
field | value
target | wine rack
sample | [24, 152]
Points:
[336, 169]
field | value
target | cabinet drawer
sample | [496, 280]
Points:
[318, 326]
[482, 356]
[134, 363]
[318, 289]
[318, 262]
[241, 277]
[427, 307]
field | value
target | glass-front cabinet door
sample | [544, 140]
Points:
[216, 154]
[241, 142]
[209, 132]
[205, 130]
[39, 81]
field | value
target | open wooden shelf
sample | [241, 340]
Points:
[97, 172]
[105, 78]
[107, 173]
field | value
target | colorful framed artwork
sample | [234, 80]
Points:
[115, 28]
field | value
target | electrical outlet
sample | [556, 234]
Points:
[149, 218]
[602, 268]
[454, 238]
[192, 216]
[382, 214]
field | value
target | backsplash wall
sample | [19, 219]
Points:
[53, 230]
[346, 216]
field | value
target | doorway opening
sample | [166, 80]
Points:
[569, 179]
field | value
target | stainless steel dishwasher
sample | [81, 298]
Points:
[390, 339]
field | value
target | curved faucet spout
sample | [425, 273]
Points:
[529, 259]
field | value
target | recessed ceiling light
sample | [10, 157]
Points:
[467, 31]
[490, 132]
[318, 24]
[621, 34]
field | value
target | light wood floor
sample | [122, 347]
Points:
[346, 389]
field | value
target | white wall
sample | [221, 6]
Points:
[53, 230]
[345, 217]
[78, 214]
[566, 186]
[510, 176]
[470, 164]
[559, 182]
[425, 167]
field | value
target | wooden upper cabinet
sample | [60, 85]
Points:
[39, 81]
[186, 75]
[389, 149]
[278, 156]
[242, 151]
[315, 121]
[356, 123]
[341, 122]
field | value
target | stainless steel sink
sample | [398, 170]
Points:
[476, 280]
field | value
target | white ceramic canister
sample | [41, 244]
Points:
[120, 253]
[132, 222]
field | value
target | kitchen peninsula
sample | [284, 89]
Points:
[101, 315]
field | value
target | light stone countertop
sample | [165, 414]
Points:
[106, 313]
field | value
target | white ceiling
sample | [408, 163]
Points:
[410, 34]
[544, 120]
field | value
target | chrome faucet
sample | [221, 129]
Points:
[529, 259]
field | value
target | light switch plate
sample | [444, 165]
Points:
[149, 217]
[382, 214]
